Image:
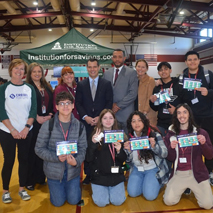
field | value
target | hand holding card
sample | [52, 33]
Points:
[140, 143]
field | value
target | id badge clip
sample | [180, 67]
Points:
[114, 169]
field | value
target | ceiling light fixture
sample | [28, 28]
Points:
[93, 3]
[35, 3]
[181, 12]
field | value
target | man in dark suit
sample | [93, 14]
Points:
[125, 87]
[92, 96]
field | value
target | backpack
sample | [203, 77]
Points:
[51, 123]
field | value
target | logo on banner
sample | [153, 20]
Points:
[74, 46]
[57, 46]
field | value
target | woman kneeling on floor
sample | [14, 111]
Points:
[106, 160]
[150, 170]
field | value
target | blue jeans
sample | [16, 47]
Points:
[61, 191]
[144, 183]
[103, 195]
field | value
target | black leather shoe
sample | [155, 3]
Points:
[86, 180]
[31, 188]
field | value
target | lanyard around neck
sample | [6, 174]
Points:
[67, 132]
[112, 151]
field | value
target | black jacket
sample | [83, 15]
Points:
[39, 101]
[100, 160]
[85, 104]
[204, 107]
[164, 120]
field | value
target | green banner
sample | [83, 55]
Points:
[71, 48]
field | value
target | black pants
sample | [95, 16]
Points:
[8, 144]
[35, 170]
[206, 123]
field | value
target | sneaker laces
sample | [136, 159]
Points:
[24, 193]
[6, 195]
[211, 175]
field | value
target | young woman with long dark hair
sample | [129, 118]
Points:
[150, 170]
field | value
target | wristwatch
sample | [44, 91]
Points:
[28, 125]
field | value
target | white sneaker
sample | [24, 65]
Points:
[6, 198]
[24, 195]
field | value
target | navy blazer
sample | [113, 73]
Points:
[85, 104]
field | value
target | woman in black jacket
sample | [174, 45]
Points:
[106, 160]
[44, 96]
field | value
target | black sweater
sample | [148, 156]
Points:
[101, 161]
[164, 120]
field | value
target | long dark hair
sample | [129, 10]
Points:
[43, 81]
[146, 131]
[191, 122]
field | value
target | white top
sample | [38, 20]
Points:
[17, 105]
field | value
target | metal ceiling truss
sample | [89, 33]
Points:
[138, 17]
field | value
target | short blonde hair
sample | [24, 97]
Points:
[15, 62]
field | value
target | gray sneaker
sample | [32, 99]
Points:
[6, 198]
[211, 178]
[24, 195]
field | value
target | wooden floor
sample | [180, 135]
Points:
[40, 202]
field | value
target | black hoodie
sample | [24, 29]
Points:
[164, 120]
[204, 108]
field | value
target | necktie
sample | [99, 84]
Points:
[116, 76]
[93, 89]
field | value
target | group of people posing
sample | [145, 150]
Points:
[36, 119]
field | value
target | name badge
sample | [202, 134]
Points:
[114, 169]
[183, 160]
[43, 109]
[140, 169]
[165, 111]
[195, 100]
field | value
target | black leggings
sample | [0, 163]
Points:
[8, 144]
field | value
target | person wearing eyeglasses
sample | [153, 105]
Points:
[61, 166]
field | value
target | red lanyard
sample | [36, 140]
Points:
[183, 150]
[65, 134]
[169, 88]
[195, 78]
[112, 151]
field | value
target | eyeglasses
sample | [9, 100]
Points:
[64, 104]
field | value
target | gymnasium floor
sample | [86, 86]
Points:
[40, 202]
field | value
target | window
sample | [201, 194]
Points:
[205, 32]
